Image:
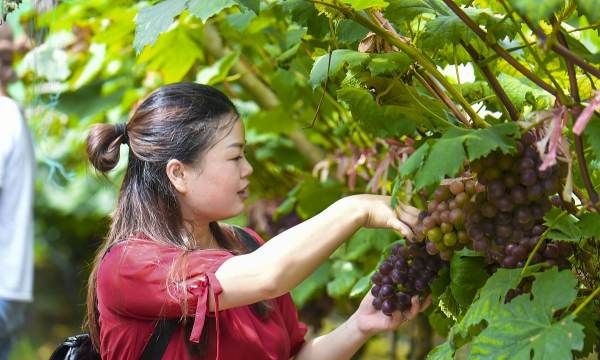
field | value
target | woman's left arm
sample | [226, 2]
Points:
[346, 339]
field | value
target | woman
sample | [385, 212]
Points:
[166, 255]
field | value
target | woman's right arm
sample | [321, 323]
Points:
[288, 258]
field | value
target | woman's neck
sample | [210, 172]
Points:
[201, 236]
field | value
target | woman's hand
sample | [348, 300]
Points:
[370, 321]
[378, 213]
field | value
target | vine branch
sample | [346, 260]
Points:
[574, 90]
[492, 80]
[411, 51]
[498, 49]
[561, 49]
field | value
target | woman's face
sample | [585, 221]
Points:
[216, 186]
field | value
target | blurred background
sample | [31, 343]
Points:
[77, 65]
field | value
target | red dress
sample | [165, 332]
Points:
[132, 292]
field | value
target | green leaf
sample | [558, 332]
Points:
[389, 63]
[207, 9]
[217, 72]
[447, 154]
[349, 31]
[153, 20]
[517, 88]
[315, 196]
[592, 135]
[172, 62]
[339, 58]
[361, 287]
[400, 11]
[589, 8]
[277, 120]
[384, 121]
[561, 226]
[489, 301]
[345, 278]
[498, 137]
[414, 162]
[445, 159]
[537, 10]
[93, 66]
[253, 5]
[589, 223]
[358, 245]
[441, 352]
[366, 4]
[311, 285]
[467, 275]
[527, 326]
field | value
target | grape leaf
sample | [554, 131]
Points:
[537, 10]
[400, 11]
[339, 58]
[155, 19]
[207, 9]
[592, 135]
[253, 5]
[389, 63]
[366, 4]
[527, 325]
[589, 224]
[467, 275]
[447, 154]
[445, 159]
[488, 303]
[499, 137]
[414, 162]
[346, 276]
[589, 8]
[361, 287]
[172, 62]
[562, 226]
[384, 121]
[441, 352]
[311, 285]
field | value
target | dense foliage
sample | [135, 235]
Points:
[388, 96]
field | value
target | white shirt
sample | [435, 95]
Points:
[17, 164]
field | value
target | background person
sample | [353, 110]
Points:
[17, 164]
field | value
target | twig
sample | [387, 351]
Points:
[559, 92]
[498, 49]
[585, 175]
[585, 302]
[492, 80]
[561, 49]
[574, 90]
[433, 87]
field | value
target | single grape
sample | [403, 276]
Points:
[435, 234]
[456, 187]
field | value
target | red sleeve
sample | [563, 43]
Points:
[295, 328]
[133, 276]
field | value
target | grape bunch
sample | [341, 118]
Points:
[443, 225]
[507, 219]
[408, 271]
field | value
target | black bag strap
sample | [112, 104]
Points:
[247, 239]
[156, 346]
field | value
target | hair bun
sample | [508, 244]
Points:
[103, 145]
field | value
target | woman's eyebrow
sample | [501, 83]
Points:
[240, 145]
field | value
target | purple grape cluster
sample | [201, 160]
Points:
[507, 219]
[406, 272]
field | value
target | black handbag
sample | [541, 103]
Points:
[79, 347]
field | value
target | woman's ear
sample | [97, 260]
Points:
[177, 175]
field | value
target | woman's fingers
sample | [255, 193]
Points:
[404, 229]
[408, 214]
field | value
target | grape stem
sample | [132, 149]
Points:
[585, 302]
[539, 243]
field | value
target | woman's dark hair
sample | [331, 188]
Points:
[179, 121]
